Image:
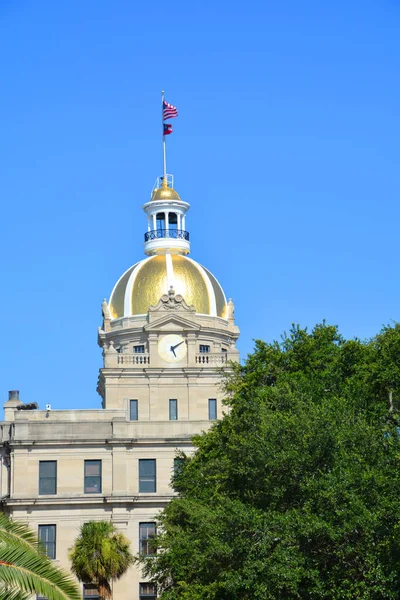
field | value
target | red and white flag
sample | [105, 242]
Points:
[169, 111]
[167, 128]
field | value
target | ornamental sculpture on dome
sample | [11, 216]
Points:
[105, 310]
[172, 301]
[106, 315]
[230, 309]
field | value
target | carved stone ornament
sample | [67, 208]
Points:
[111, 349]
[171, 301]
[230, 309]
[105, 309]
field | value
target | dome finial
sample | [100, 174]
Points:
[164, 189]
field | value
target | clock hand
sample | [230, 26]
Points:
[172, 348]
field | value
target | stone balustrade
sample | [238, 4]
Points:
[211, 358]
[133, 359]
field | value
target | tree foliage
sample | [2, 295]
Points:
[100, 554]
[26, 570]
[296, 492]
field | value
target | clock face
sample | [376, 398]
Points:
[172, 348]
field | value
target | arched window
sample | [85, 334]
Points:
[172, 221]
[160, 219]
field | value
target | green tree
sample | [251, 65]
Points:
[296, 492]
[26, 570]
[100, 554]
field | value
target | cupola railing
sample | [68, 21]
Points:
[156, 234]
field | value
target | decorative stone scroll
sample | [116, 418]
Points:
[172, 301]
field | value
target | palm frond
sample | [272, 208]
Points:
[24, 567]
[33, 575]
[10, 530]
[13, 594]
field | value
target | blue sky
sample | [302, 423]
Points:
[286, 147]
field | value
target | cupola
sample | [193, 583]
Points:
[166, 220]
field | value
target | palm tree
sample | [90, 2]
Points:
[99, 555]
[25, 570]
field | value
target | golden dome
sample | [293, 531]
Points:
[165, 193]
[144, 283]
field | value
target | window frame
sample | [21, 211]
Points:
[43, 544]
[42, 478]
[178, 464]
[139, 349]
[204, 348]
[173, 220]
[145, 542]
[173, 402]
[176, 469]
[214, 412]
[90, 596]
[133, 402]
[160, 222]
[151, 596]
[85, 477]
[145, 479]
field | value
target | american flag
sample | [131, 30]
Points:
[169, 111]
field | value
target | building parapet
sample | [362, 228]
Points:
[71, 416]
[117, 431]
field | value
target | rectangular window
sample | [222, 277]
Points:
[212, 409]
[47, 477]
[47, 539]
[92, 476]
[146, 532]
[90, 592]
[147, 591]
[147, 475]
[138, 349]
[133, 410]
[173, 410]
[178, 464]
[204, 349]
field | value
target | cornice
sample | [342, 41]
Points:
[200, 370]
[95, 499]
[109, 442]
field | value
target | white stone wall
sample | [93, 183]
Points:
[72, 436]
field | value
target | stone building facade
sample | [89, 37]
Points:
[167, 331]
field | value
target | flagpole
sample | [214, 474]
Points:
[163, 136]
